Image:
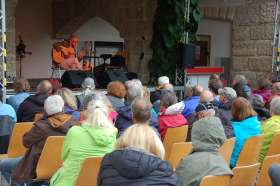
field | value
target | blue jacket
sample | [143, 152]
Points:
[190, 105]
[124, 118]
[243, 130]
[75, 114]
[17, 99]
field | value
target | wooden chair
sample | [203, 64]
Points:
[89, 172]
[245, 176]
[227, 148]
[16, 148]
[174, 135]
[264, 179]
[178, 151]
[274, 147]
[50, 160]
[223, 180]
[249, 155]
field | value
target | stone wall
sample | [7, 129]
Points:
[133, 19]
[253, 30]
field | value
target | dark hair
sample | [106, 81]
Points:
[214, 85]
[242, 109]
[167, 98]
[214, 76]
[196, 91]
[240, 90]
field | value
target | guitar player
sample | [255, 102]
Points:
[65, 55]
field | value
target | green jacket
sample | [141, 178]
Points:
[82, 142]
[268, 129]
[207, 137]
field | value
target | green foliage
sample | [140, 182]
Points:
[169, 29]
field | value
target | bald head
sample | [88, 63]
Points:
[44, 87]
[141, 110]
[206, 96]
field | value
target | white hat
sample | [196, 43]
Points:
[54, 104]
[163, 80]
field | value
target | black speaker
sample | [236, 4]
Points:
[186, 56]
[74, 79]
[105, 77]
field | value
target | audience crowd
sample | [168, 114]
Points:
[127, 127]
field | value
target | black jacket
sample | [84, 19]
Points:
[132, 167]
[30, 106]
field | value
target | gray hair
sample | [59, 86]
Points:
[275, 106]
[134, 89]
[167, 98]
[88, 83]
[53, 104]
[188, 90]
[94, 97]
[276, 88]
[141, 110]
[239, 78]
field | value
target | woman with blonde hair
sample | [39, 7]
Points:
[94, 138]
[137, 160]
[245, 124]
[70, 100]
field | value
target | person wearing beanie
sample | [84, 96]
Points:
[204, 160]
[56, 123]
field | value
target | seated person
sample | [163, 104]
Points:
[274, 174]
[116, 93]
[166, 121]
[270, 127]
[137, 160]
[134, 89]
[88, 87]
[70, 103]
[97, 137]
[259, 106]
[35, 103]
[214, 85]
[6, 109]
[204, 160]
[245, 124]
[21, 87]
[57, 123]
[155, 95]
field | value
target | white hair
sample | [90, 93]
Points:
[53, 104]
[134, 89]
[97, 115]
[88, 86]
[275, 106]
[163, 80]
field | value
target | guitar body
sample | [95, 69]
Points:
[58, 56]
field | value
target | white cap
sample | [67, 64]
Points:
[54, 104]
[163, 80]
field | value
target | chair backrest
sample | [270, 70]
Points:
[50, 160]
[249, 155]
[89, 172]
[264, 179]
[223, 180]
[16, 148]
[245, 175]
[274, 147]
[174, 135]
[178, 151]
[227, 148]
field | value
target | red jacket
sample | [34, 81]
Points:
[170, 121]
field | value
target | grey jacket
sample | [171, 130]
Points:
[204, 159]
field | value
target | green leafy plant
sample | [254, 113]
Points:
[170, 26]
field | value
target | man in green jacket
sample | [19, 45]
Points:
[270, 127]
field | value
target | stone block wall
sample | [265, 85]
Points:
[253, 30]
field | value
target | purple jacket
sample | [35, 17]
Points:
[265, 94]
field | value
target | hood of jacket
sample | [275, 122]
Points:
[135, 164]
[58, 120]
[207, 135]
[249, 124]
[125, 111]
[38, 99]
[101, 136]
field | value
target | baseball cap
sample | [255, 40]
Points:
[204, 106]
[228, 92]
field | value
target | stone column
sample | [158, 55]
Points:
[11, 38]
